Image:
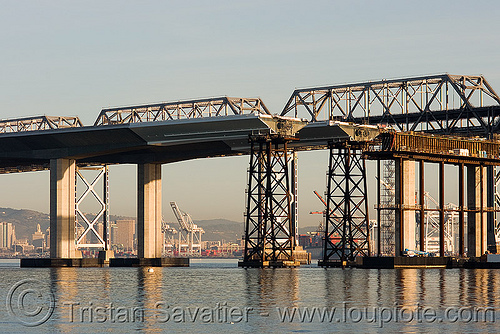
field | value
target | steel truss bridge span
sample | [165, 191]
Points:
[443, 104]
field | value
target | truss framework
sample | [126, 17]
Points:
[87, 234]
[346, 233]
[213, 107]
[269, 229]
[38, 123]
[440, 103]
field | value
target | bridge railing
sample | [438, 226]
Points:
[213, 107]
[439, 103]
[38, 123]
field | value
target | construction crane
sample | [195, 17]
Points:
[169, 233]
[189, 233]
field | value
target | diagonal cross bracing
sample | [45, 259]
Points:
[346, 233]
[86, 231]
[269, 230]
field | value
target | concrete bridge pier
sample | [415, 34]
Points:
[477, 215]
[149, 211]
[405, 222]
[62, 209]
[149, 237]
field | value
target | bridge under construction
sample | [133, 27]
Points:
[442, 119]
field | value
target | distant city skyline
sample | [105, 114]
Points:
[72, 59]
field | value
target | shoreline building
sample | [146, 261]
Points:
[7, 235]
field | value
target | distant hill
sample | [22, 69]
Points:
[215, 229]
[305, 229]
[221, 229]
[24, 220]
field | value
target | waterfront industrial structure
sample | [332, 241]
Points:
[380, 120]
[189, 242]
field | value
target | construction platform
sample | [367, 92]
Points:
[333, 264]
[267, 264]
[100, 262]
[382, 262]
[54, 263]
[391, 262]
[150, 262]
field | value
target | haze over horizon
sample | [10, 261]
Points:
[74, 58]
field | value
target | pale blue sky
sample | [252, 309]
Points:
[73, 58]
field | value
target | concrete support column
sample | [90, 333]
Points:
[405, 223]
[476, 217]
[62, 209]
[149, 211]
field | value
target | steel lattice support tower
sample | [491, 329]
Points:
[346, 232]
[269, 228]
[388, 208]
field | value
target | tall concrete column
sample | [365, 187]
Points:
[149, 211]
[62, 209]
[476, 217]
[405, 222]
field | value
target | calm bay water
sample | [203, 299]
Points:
[215, 296]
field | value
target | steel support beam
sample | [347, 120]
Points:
[62, 209]
[347, 231]
[149, 239]
[88, 233]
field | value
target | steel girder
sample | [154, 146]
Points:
[269, 229]
[346, 232]
[87, 234]
[213, 107]
[38, 123]
[440, 103]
